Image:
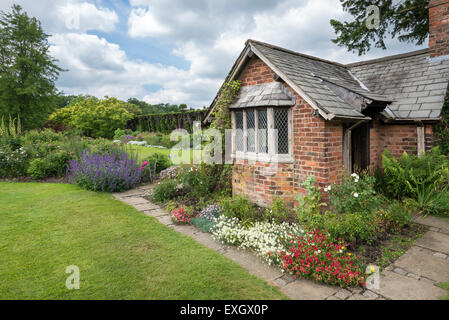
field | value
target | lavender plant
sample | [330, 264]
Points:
[109, 172]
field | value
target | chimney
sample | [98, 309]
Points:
[438, 28]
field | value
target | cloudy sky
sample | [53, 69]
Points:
[177, 51]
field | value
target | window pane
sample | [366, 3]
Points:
[239, 130]
[281, 125]
[263, 137]
[251, 126]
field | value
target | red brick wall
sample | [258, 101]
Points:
[398, 138]
[439, 27]
[317, 150]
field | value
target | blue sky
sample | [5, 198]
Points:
[178, 51]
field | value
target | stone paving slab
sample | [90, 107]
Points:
[303, 289]
[165, 220]
[253, 264]
[207, 240]
[435, 241]
[397, 287]
[432, 221]
[422, 264]
[155, 213]
[187, 230]
[135, 200]
[146, 206]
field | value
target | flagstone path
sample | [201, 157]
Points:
[414, 276]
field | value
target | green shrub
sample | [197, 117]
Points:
[431, 201]
[13, 163]
[238, 207]
[277, 211]
[165, 191]
[310, 202]
[53, 165]
[406, 176]
[355, 194]
[95, 118]
[43, 136]
[397, 214]
[204, 180]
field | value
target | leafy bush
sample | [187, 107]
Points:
[323, 260]
[159, 161]
[52, 165]
[43, 136]
[13, 163]
[95, 118]
[354, 194]
[238, 207]
[164, 191]
[204, 180]
[406, 176]
[431, 201]
[104, 172]
[277, 211]
[397, 214]
[309, 203]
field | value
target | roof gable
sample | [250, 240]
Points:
[326, 85]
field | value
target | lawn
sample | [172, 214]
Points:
[144, 152]
[121, 253]
[445, 286]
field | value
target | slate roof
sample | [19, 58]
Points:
[267, 94]
[416, 83]
[411, 86]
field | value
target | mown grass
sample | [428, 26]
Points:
[121, 253]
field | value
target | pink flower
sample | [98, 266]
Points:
[140, 168]
[144, 163]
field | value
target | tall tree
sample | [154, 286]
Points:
[27, 71]
[407, 19]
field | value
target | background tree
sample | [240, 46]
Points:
[407, 19]
[27, 71]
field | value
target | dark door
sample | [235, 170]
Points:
[360, 147]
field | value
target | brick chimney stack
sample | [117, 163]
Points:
[438, 28]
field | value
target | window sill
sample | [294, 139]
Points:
[280, 158]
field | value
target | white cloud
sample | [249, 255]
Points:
[208, 34]
[85, 16]
[142, 24]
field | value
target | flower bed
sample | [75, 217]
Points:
[314, 256]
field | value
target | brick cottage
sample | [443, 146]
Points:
[298, 115]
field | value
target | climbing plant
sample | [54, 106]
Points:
[221, 115]
[442, 129]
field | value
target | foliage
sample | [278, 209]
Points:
[181, 216]
[316, 257]
[397, 214]
[13, 128]
[206, 219]
[408, 19]
[104, 172]
[441, 129]
[27, 72]
[52, 165]
[153, 165]
[278, 211]
[264, 238]
[95, 118]
[227, 94]
[238, 207]
[13, 162]
[165, 190]
[429, 200]
[354, 194]
[310, 203]
[410, 175]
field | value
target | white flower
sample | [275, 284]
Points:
[356, 194]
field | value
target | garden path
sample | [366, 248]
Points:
[414, 275]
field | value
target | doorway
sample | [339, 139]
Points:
[360, 147]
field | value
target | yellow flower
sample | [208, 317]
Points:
[372, 269]
[343, 248]
[349, 253]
